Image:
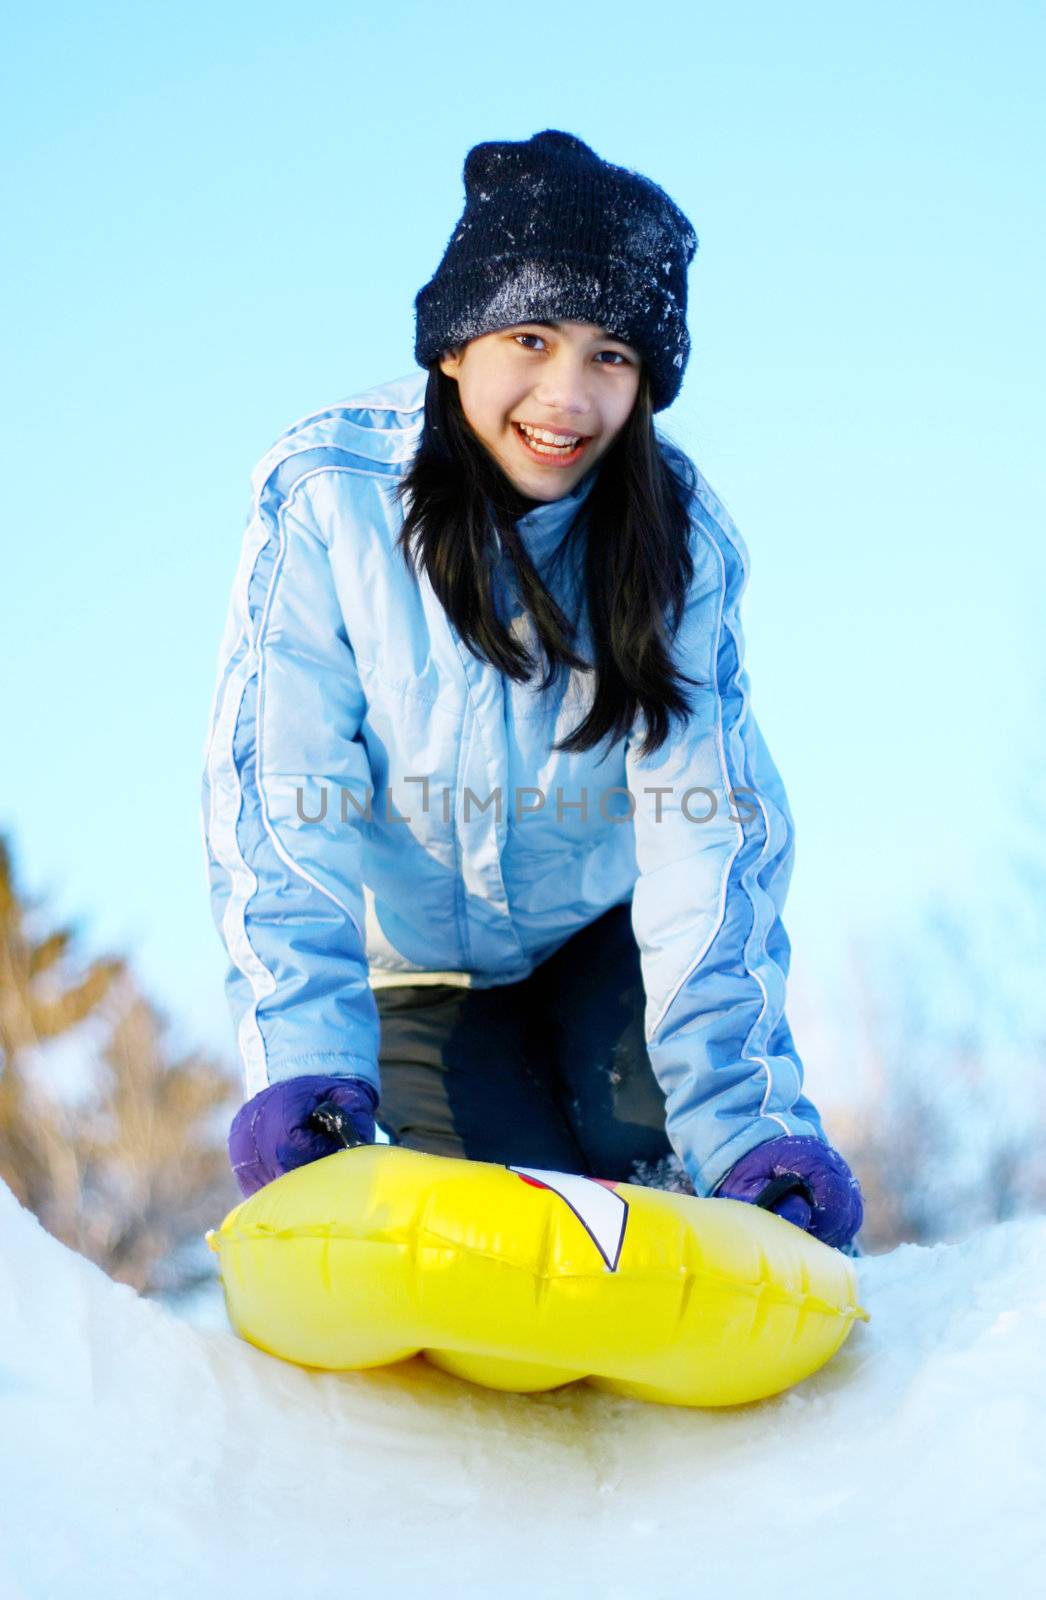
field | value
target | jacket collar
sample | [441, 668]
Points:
[543, 527]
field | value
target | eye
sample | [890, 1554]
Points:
[519, 336]
[616, 358]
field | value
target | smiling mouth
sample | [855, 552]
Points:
[549, 446]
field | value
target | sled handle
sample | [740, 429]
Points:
[784, 1183]
[331, 1119]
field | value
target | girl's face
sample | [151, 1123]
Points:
[546, 398]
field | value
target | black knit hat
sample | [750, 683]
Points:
[552, 233]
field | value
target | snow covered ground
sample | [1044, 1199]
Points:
[142, 1457]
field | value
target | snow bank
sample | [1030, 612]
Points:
[140, 1456]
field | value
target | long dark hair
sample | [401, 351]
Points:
[637, 569]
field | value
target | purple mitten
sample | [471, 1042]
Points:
[271, 1133]
[826, 1199]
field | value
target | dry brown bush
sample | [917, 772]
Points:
[129, 1167]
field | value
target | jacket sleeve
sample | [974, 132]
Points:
[282, 844]
[714, 846]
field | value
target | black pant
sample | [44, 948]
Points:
[549, 1072]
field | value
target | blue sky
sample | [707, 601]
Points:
[216, 220]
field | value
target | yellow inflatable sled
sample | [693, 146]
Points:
[523, 1279]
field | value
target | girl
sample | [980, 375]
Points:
[492, 832]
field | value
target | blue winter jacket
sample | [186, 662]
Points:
[376, 798]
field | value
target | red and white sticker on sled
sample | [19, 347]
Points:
[594, 1201]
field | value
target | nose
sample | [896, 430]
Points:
[563, 388]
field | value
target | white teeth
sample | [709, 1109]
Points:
[544, 436]
[551, 449]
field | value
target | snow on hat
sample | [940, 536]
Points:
[550, 232]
